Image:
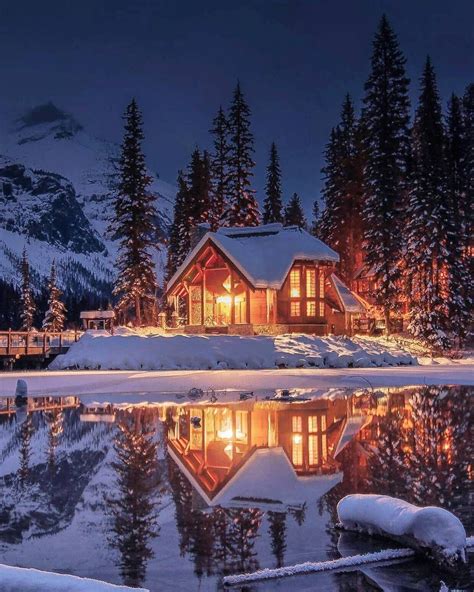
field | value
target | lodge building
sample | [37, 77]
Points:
[268, 279]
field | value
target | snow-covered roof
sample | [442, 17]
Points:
[348, 299]
[97, 314]
[263, 254]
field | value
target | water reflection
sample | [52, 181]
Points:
[229, 485]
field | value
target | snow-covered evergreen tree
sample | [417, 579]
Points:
[277, 531]
[242, 209]
[179, 240]
[459, 279]
[294, 214]
[55, 429]
[427, 221]
[27, 304]
[56, 313]
[26, 433]
[245, 524]
[199, 188]
[219, 168]
[385, 118]
[341, 223]
[273, 204]
[133, 224]
[316, 219]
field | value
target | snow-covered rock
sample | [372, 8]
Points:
[128, 350]
[430, 528]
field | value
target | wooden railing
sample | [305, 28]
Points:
[23, 343]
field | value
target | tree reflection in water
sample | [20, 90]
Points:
[137, 491]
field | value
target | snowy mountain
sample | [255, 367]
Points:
[56, 189]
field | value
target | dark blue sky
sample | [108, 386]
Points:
[295, 60]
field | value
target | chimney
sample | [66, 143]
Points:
[197, 232]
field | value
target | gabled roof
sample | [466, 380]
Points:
[263, 254]
[349, 301]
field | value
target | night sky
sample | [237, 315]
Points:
[295, 60]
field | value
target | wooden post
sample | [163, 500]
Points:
[232, 297]
[60, 341]
[27, 338]
[44, 343]
[9, 342]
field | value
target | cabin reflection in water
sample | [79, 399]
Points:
[213, 442]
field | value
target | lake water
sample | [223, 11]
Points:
[174, 495]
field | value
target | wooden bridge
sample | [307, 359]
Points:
[36, 346]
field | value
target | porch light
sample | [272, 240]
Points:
[224, 299]
[297, 439]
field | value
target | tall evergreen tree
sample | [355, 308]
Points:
[273, 204]
[427, 219]
[133, 507]
[199, 188]
[56, 313]
[179, 240]
[294, 214]
[459, 298]
[385, 119]
[468, 117]
[341, 222]
[219, 167]
[277, 531]
[316, 220]
[26, 433]
[28, 308]
[133, 223]
[242, 209]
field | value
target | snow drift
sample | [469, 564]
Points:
[132, 351]
[14, 579]
[429, 528]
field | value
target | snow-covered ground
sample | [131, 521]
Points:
[16, 579]
[99, 350]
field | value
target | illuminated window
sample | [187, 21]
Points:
[296, 423]
[311, 308]
[313, 423]
[323, 423]
[295, 309]
[321, 284]
[321, 309]
[325, 447]
[310, 284]
[313, 456]
[295, 281]
[297, 449]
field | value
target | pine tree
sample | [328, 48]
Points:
[133, 223]
[277, 532]
[427, 219]
[27, 304]
[133, 507]
[245, 524]
[385, 119]
[56, 313]
[341, 222]
[242, 209]
[26, 433]
[179, 240]
[316, 221]
[55, 429]
[219, 168]
[294, 215]
[273, 204]
[459, 299]
[199, 188]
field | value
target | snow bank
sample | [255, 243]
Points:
[344, 563]
[130, 351]
[14, 579]
[428, 528]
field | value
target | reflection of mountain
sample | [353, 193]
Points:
[56, 189]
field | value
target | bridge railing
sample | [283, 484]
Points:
[35, 342]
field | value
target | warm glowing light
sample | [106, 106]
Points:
[225, 434]
[297, 439]
[224, 299]
[295, 292]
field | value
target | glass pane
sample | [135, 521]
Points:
[295, 280]
[295, 309]
[313, 450]
[310, 283]
[311, 308]
[313, 423]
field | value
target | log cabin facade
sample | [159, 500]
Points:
[264, 280]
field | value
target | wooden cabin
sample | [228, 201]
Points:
[264, 280]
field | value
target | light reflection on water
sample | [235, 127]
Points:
[174, 496]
